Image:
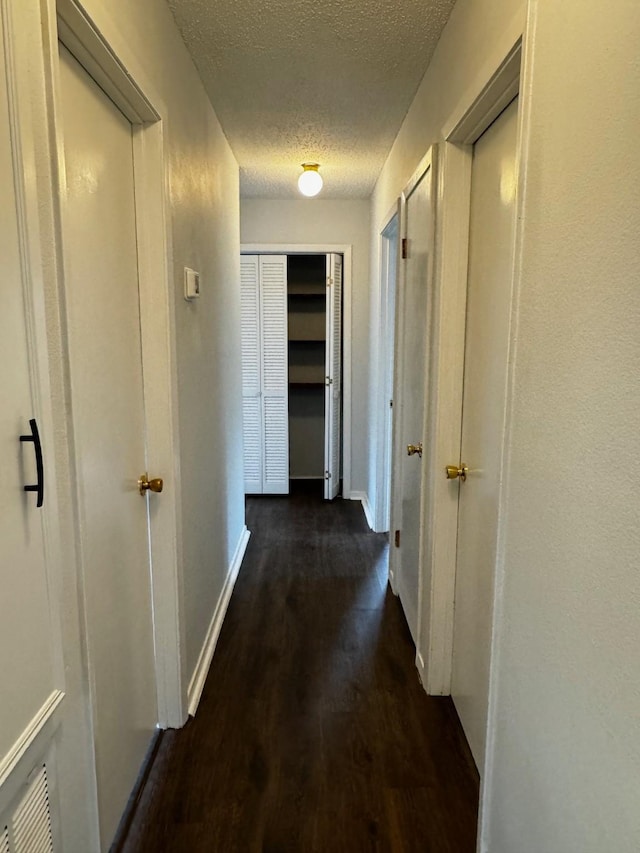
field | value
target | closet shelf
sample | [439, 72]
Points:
[317, 292]
[305, 373]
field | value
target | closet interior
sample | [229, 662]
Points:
[306, 315]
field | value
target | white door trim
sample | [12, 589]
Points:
[490, 96]
[107, 55]
[346, 252]
[508, 74]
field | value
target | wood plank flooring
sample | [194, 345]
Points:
[313, 734]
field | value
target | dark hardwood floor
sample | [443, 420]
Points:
[313, 733]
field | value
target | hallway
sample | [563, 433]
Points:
[313, 732]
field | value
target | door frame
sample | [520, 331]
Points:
[113, 63]
[505, 76]
[346, 252]
[386, 365]
[333, 375]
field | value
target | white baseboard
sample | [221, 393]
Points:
[392, 582]
[422, 674]
[196, 685]
[363, 497]
[368, 511]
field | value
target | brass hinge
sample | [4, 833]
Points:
[329, 281]
[405, 248]
[397, 538]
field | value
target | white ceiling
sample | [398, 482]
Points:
[296, 81]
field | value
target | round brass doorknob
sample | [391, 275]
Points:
[453, 472]
[146, 485]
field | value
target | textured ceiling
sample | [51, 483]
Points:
[296, 81]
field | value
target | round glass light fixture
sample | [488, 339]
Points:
[310, 181]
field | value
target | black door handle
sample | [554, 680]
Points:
[35, 438]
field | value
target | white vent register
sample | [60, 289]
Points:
[27, 828]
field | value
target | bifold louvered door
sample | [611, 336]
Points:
[264, 373]
[333, 390]
[251, 374]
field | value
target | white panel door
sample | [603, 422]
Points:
[26, 660]
[492, 222]
[99, 222]
[275, 388]
[333, 374]
[412, 366]
[251, 373]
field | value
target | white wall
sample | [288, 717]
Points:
[567, 749]
[332, 222]
[564, 748]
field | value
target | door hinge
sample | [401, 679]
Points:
[327, 475]
[391, 404]
[397, 539]
[405, 248]
[328, 380]
[329, 281]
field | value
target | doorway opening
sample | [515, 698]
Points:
[296, 368]
[314, 312]
[387, 336]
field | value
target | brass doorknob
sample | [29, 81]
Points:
[412, 449]
[453, 472]
[146, 485]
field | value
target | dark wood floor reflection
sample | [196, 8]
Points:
[313, 733]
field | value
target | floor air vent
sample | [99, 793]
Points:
[29, 830]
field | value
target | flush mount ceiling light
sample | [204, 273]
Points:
[310, 181]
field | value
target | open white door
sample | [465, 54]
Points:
[388, 269]
[412, 366]
[251, 373]
[265, 399]
[275, 373]
[333, 374]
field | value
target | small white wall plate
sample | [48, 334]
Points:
[191, 284]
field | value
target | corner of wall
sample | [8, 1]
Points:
[199, 675]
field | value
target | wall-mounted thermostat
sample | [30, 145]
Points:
[191, 284]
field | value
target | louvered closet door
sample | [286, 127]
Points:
[251, 373]
[28, 827]
[275, 399]
[333, 388]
